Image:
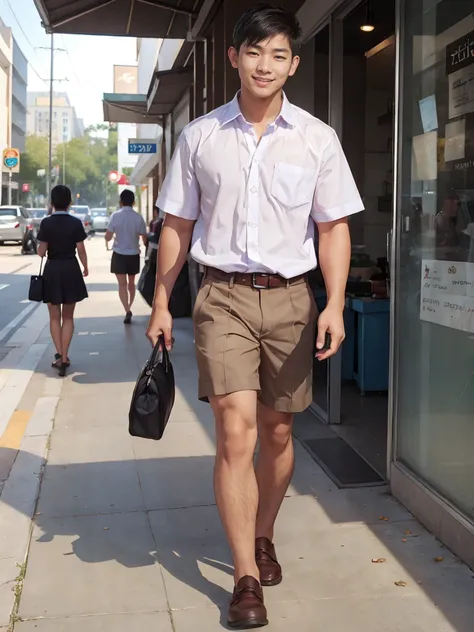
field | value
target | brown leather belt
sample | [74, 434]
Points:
[257, 280]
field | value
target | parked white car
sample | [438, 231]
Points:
[14, 222]
[100, 218]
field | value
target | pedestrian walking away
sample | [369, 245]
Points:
[247, 185]
[126, 226]
[59, 236]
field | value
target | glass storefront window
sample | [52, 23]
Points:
[435, 302]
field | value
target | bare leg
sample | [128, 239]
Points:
[67, 329]
[55, 325]
[123, 291]
[275, 464]
[131, 290]
[234, 476]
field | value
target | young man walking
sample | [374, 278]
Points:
[248, 182]
[127, 226]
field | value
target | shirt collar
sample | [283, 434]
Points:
[127, 208]
[233, 111]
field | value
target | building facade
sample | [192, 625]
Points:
[19, 97]
[66, 124]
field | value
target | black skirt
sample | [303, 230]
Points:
[63, 282]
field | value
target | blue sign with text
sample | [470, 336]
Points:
[142, 147]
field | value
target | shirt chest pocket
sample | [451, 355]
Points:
[293, 186]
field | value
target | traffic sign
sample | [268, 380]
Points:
[11, 160]
[142, 146]
[25, 188]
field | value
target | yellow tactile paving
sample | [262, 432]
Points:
[15, 430]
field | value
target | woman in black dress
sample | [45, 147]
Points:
[59, 236]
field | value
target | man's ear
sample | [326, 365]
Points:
[294, 65]
[234, 57]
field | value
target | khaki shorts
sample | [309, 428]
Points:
[259, 340]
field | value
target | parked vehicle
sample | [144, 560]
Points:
[82, 212]
[86, 220]
[13, 223]
[100, 218]
[37, 215]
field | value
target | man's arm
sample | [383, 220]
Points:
[174, 243]
[336, 197]
[109, 235]
[334, 260]
[180, 201]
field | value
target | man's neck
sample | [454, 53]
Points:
[260, 112]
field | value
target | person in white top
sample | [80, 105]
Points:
[127, 226]
[247, 184]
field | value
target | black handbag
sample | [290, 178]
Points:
[146, 282]
[36, 286]
[153, 397]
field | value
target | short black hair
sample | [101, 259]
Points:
[61, 197]
[264, 21]
[127, 197]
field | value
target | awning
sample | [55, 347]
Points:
[128, 108]
[136, 18]
[166, 89]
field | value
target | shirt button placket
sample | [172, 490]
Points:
[253, 211]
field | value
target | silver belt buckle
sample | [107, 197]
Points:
[255, 285]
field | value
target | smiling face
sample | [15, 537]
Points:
[265, 67]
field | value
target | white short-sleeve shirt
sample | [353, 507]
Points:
[127, 226]
[255, 203]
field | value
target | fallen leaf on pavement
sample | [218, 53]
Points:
[400, 584]
[378, 560]
[404, 540]
[438, 559]
[106, 528]
[384, 518]
[408, 532]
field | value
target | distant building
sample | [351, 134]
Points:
[66, 124]
[19, 97]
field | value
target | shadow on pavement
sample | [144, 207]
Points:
[145, 506]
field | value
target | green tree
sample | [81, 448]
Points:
[34, 159]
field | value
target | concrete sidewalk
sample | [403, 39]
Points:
[126, 535]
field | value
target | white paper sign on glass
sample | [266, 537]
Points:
[447, 294]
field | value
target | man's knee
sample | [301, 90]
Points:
[275, 428]
[236, 429]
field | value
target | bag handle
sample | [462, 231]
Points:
[160, 347]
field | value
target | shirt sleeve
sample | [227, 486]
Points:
[43, 232]
[79, 232]
[180, 195]
[336, 194]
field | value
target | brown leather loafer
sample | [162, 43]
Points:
[270, 570]
[247, 609]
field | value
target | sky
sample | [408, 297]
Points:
[87, 64]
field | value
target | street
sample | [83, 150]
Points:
[15, 270]
[100, 531]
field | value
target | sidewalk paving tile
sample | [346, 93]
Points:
[92, 565]
[140, 622]
[381, 614]
[195, 557]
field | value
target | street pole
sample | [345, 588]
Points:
[10, 187]
[64, 162]
[50, 156]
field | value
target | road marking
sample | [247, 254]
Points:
[15, 430]
[3, 286]
[11, 325]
